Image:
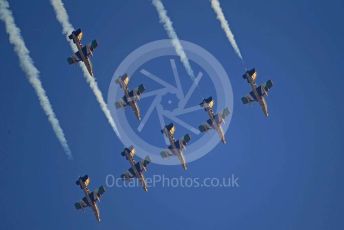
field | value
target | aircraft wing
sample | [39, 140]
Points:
[82, 204]
[249, 98]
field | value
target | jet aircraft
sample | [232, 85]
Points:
[90, 198]
[137, 168]
[258, 93]
[215, 120]
[130, 97]
[84, 52]
[176, 147]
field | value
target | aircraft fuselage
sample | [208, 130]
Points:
[92, 203]
[139, 175]
[132, 103]
[136, 109]
[175, 150]
[84, 59]
[260, 99]
[216, 125]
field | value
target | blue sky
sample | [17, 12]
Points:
[289, 165]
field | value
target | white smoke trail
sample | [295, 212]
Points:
[32, 73]
[62, 17]
[166, 21]
[215, 4]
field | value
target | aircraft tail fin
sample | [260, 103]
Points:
[140, 89]
[74, 58]
[166, 153]
[225, 113]
[204, 128]
[268, 85]
[146, 161]
[70, 60]
[77, 205]
[186, 139]
[94, 45]
[80, 205]
[120, 104]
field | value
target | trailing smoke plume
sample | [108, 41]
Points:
[32, 73]
[67, 28]
[166, 21]
[215, 4]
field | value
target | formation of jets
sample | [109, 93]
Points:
[176, 147]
